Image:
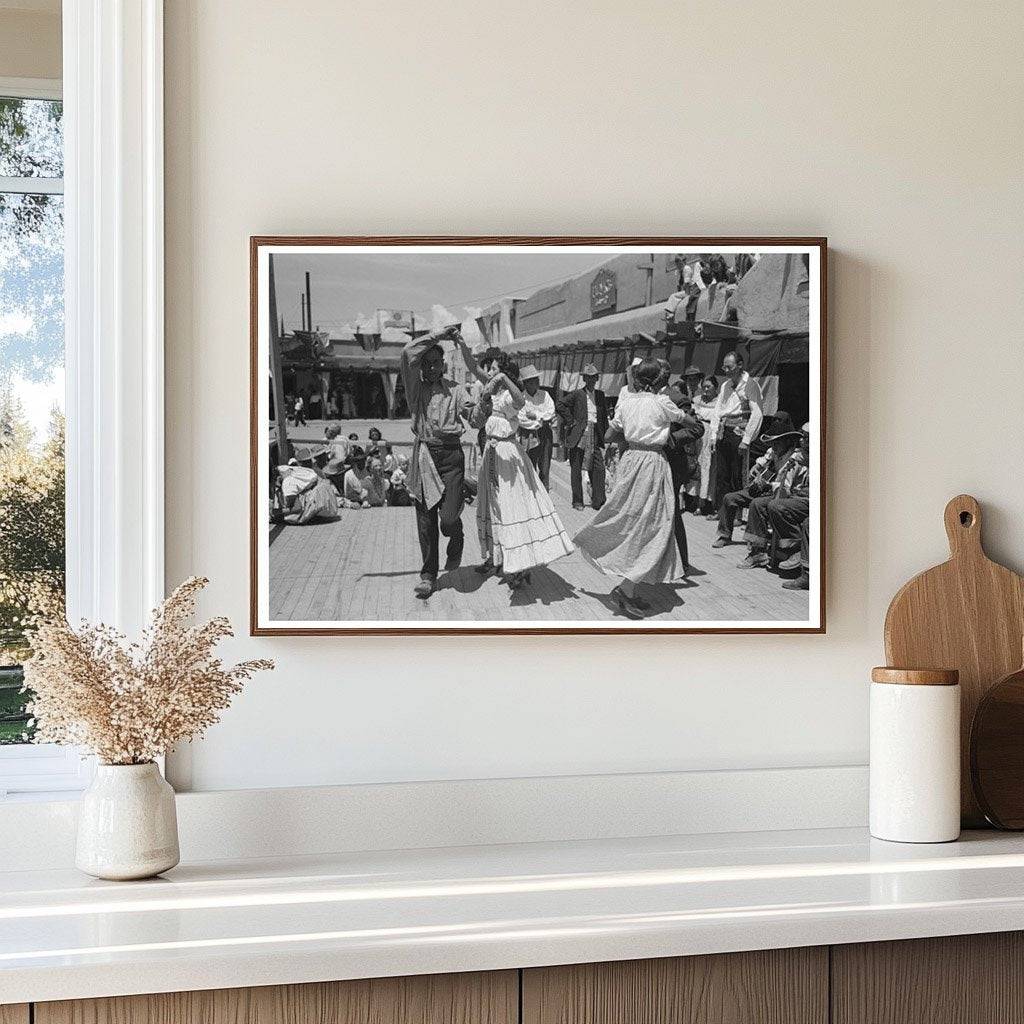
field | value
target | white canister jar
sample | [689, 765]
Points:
[915, 755]
[127, 823]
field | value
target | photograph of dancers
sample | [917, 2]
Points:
[482, 435]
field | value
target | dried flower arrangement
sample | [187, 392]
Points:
[130, 703]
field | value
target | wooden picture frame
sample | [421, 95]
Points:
[813, 252]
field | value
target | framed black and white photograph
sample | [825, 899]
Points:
[537, 435]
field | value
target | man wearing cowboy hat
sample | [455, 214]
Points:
[763, 478]
[785, 510]
[535, 419]
[584, 422]
[789, 517]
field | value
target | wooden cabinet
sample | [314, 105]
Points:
[483, 998]
[777, 986]
[962, 979]
[970, 979]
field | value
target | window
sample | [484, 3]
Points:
[81, 187]
[32, 562]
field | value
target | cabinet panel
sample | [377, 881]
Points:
[481, 998]
[14, 1013]
[778, 986]
[962, 979]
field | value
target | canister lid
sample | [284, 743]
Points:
[916, 676]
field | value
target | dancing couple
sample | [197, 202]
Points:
[633, 535]
[516, 522]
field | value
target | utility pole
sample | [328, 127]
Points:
[277, 376]
[302, 307]
[309, 305]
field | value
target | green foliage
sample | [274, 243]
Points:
[32, 551]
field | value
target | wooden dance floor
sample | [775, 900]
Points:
[364, 566]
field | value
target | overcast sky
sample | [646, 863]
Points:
[349, 288]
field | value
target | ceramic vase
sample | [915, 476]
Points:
[127, 825]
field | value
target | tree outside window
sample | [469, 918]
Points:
[31, 387]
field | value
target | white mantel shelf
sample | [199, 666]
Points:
[267, 922]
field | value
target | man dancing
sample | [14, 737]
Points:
[439, 408]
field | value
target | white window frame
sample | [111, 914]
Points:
[114, 334]
[43, 768]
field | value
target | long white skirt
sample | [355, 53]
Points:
[631, 536]
[518, 526]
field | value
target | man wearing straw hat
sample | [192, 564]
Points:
[585, 420]
[535, 419]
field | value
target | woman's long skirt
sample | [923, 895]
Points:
[518, 526]
[319, 502]
[632, 536]
[706, 477]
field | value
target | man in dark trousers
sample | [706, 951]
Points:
[785, 511]
[789, 517]
[681, 453]
[735, 422]
[584, 423]
[437, 468]
[803, 581]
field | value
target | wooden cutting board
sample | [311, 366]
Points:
[967, 614]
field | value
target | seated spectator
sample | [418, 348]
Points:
[334, 472]
[361, 488]
[336, 444]
[763, 481]
[801, 560]
[320, 455]
[375, 438]
[681, 306]
[305, 495]
[293, 479]
[398, 492]
[784, 510]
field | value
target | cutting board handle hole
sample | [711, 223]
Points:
[966, 519]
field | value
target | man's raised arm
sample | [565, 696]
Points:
[409, 364]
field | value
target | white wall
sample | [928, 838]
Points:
[895, 129]
[30, 39]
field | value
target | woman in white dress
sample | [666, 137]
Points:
[632, 534]
[516, 522]
[702, 485]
